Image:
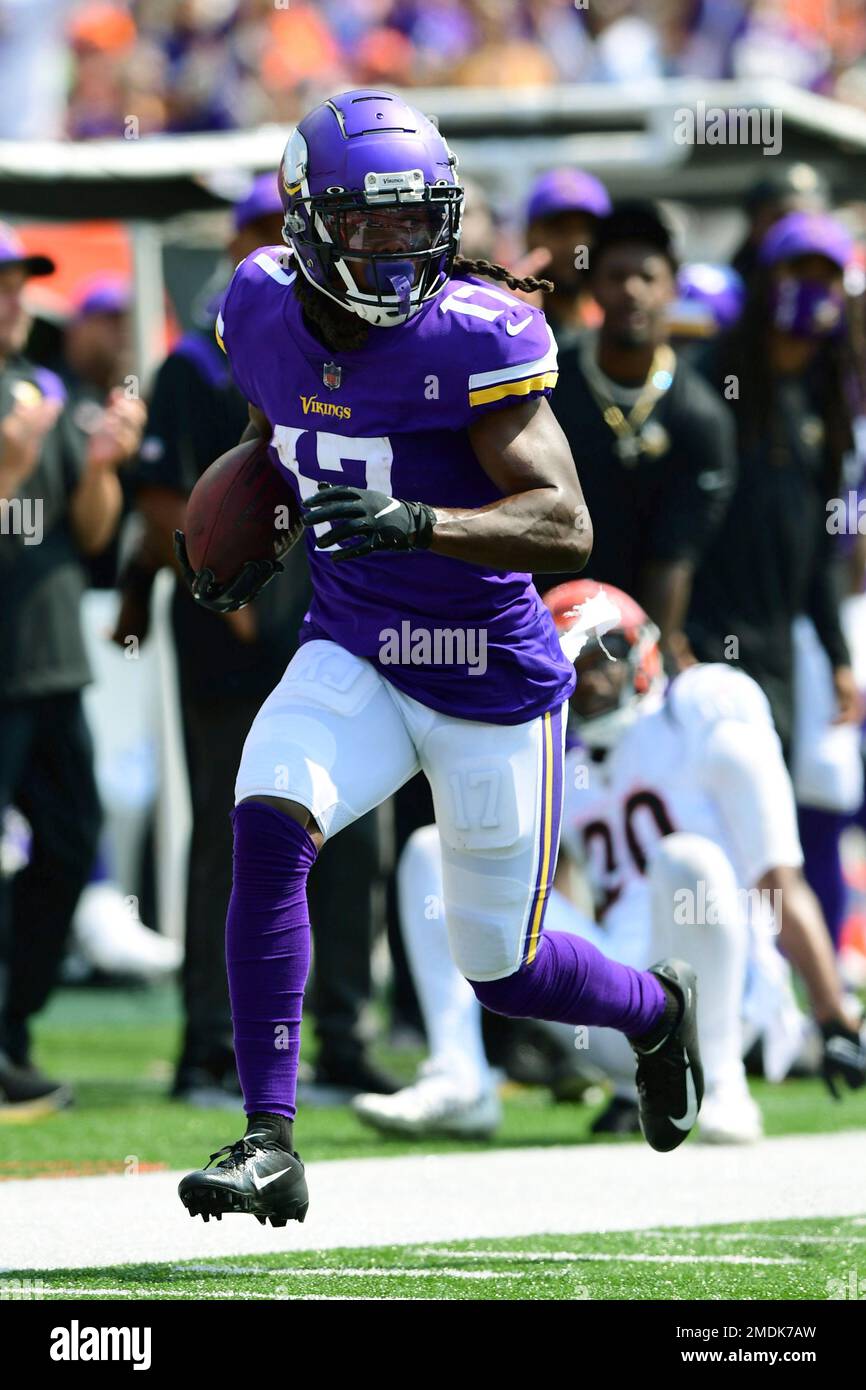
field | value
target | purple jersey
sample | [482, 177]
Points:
[463, 639]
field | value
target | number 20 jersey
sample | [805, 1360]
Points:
[706, 761]
[398, 422]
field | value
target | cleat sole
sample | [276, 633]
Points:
[208, 1202]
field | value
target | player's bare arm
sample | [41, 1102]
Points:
[664, 592]
[804, 939]
[541, 523]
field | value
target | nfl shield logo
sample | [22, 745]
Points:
[332, 375]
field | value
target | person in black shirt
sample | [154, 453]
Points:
[787, 369]
[655, 444]
[60, 501]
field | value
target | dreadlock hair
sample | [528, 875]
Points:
[837, 376]
[339, 330]
[343, 331]
[489, 270]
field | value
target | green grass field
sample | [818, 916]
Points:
[117, 1048]
[787, 1260]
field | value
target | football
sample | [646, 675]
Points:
[240, 509]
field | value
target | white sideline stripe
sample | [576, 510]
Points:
[389, 1272]
[561, 1257]
[362, 1272]
[606, 1256]
[111, 1219]
[758, 1238]
[81, 1291]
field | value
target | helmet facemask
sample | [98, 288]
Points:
[380, 253]
[640, 681]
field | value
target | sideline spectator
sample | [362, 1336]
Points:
[787, 368]
[799, 188]
[562, 216]
[655, 445]
[68, 489]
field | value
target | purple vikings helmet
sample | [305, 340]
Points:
[372, 206]
[709, 298]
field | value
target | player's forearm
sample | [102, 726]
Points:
[664, 592]
[534, 530]
[95, 508]
[804, 939]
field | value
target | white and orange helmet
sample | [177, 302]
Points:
[588, 614]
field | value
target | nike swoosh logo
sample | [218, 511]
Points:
[512, 329]
[260, 1183]
[691, 1114]
[390, 508]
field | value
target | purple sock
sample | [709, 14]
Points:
[571, 981]
[820, 833]
[268, 953]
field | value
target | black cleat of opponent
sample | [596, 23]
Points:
[620, 1116]
[670, 1078]
[259, 1174]
[27, 1094]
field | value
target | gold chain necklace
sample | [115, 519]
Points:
[631, 439]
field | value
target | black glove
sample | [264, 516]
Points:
[236, 593]
[844, 1058]
[373, 520]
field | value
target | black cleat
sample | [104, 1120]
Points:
[620, 1116]
[258, 1175]
[844, 1058]
[670, 1078]
[27, 1094]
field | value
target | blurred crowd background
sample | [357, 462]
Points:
[80, 69]
[169, 690]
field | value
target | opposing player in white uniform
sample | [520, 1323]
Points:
[679, 809]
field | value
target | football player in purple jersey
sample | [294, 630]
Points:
[405, 399]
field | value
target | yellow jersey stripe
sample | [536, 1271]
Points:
[480, 380]
[547, 793]
[514, 388]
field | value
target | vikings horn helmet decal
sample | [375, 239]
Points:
[372, 206]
